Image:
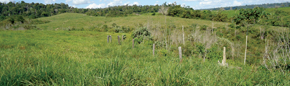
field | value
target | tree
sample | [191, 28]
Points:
[20, 19]
[249, 15]
[44, 14]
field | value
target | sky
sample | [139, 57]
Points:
[195, 4]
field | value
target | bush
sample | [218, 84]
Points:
[118, 30]
[126, 29]
[140, 34]
[11, 20]
[203, 27]
[153, 14]
[214, 53]
[105, 28]
[20, 19]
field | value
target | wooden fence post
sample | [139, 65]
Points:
[119, 40]
[246, 50]
[108, 38]
[133, 43]
[180, 54]
[153, 50]
[183, 34]
[224, 57]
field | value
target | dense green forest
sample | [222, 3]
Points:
[32, 10]
[19, 11]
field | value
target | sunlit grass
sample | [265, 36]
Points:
[85, 58]
[78, 21]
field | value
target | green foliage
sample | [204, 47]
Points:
[11, 20]
[126, 29]
[33, 10]
[124, 36]
[203, 27]
[118, 30]
[220, 17]
[20, 19]
[153, 14]
[114, 25]
[141, 34]
[44, 14]
[250, 16]
[123, 11]
[175, 11]
[183, 12]
[214, 52]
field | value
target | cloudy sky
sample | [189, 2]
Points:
[195, 4]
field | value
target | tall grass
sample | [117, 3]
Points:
[85, 58]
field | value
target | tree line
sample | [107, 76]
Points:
[15, 11]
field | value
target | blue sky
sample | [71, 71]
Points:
[195, 4]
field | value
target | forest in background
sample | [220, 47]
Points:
[20, 12]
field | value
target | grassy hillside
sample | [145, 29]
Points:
[69, 20]
[62, 57]
[85, 58]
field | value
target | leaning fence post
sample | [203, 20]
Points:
[108, 38]
[153, 50]
[119, 40]
[180, 54]
[133, 43]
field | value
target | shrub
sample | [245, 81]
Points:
[203, 27]
[105, 28]
[140, 34]
[118, 30]
[114, 25]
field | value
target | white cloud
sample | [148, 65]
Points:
[236, 3]
[135, 3]
[49, 1]
[78, 2]
[94, 5]
[115, 2]
[192, 0]
[205, 3]
[127, 3]
[156, 3]
[183, 5]
[6, 1]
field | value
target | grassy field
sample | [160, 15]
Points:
[85, 58]
[60, 57]
[69, 20]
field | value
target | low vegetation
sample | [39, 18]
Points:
[74, 49]
[85, 58]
